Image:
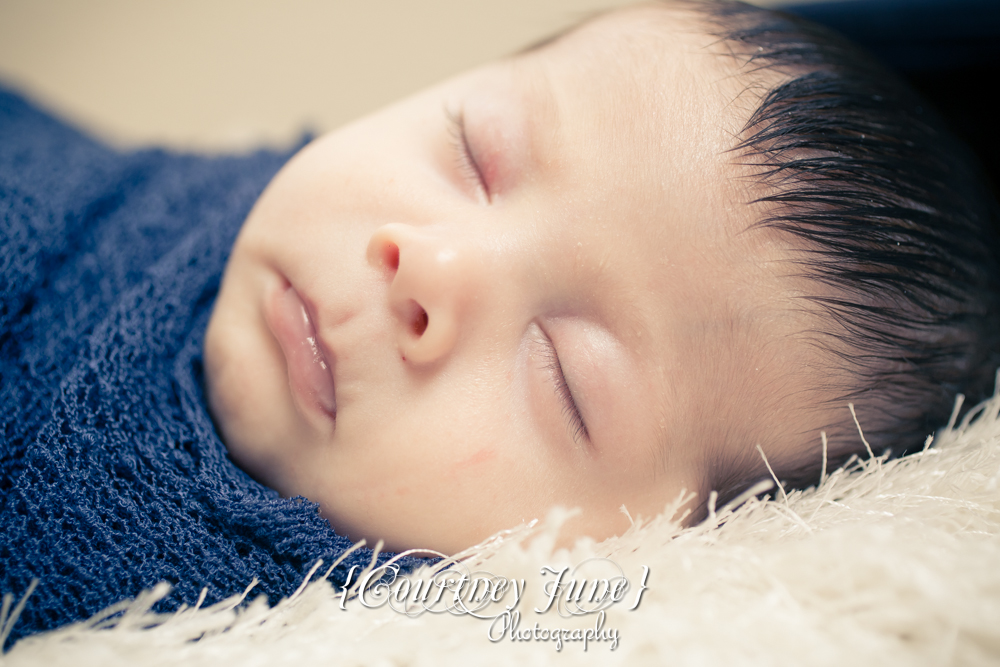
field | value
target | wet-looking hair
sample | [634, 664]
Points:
[893, 225]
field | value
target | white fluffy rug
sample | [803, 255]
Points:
[888, 563]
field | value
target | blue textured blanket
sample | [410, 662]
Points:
[112, 477]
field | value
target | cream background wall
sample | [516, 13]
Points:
[228, 74]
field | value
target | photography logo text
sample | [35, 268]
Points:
[581, 596]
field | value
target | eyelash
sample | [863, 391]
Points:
[570, 409]
[466, 162]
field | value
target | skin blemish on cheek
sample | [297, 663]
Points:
[477, 458]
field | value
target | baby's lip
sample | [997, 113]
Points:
[310, 372]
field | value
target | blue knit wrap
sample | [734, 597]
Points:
[112, 477]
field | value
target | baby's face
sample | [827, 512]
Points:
[529, 286]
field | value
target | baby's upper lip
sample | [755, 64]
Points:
[291, 317]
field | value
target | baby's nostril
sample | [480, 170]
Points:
[420, 322]
[391, 258]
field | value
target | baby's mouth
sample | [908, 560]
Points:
[310, 376]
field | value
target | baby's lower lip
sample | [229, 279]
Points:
[310, 376]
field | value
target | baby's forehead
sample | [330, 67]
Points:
[657, 72]
[643, 38]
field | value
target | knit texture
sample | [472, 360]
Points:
[112, 477]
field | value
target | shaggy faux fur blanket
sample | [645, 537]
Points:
[112, 478]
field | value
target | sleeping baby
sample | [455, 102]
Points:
[656, 253]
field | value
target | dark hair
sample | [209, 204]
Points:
[893, 225]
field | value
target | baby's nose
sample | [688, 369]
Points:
[429, 273]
